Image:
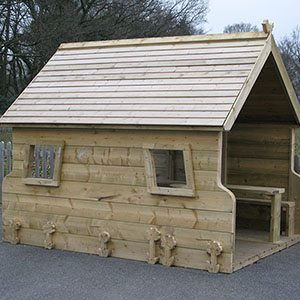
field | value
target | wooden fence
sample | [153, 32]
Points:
[5, 163]
[44, 158]
[43, 165]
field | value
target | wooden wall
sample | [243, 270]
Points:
[109, 165]
[259, 155]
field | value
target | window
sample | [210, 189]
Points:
[42, 164]
[169, 170]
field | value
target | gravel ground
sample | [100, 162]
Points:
[28, 272]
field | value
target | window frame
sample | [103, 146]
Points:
[150, 172]
[27, 165]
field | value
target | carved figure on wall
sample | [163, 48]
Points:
[104, 238]
[168, 243]
[214, 249]
[49, 229]
[15, 225]
[152, 236]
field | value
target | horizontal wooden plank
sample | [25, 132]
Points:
[208, 39]
[141, 64]
[85, 81]
[130, 250]
[130, 94]
[146, 58]
[258, 166]
[88, 226]
[134, 88]
[122, 107]
[48, 100]
[86, 194]
[176, 217]
[259, 180]
[259, 189]
[119, 138]
[215, 76]
[175, 70]
[259, 151]
[119, 114]
[139, 51]
[115, 121]
[242, 134]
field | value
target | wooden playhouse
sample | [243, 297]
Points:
[174, 150]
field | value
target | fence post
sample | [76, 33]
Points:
[1, 168]
[37, 161]
[51, 161]
[44, 162]
[8, 158]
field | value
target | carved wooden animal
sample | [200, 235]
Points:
[168, 243]
[152, 235]
[15, 226]
[104, 238]
[49, 229]
[214, 249]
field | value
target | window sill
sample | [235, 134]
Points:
[40, 181]
[182, 192]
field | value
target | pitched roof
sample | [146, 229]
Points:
[191, 81]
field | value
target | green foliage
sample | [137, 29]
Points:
[5, 102]
[5, 135]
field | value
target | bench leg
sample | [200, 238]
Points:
[275, 218]
[290, 220]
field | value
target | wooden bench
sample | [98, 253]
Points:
[287, 206]
[268, 196]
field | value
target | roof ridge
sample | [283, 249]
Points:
[168, 39]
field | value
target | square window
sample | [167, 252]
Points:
[42, 164]
[169, 170]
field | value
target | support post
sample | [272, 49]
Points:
[275, 218]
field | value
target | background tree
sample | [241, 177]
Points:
[289, 47]
[32, 30]
[240, 27]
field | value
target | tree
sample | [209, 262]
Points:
[32, 30]
[289, 47]
[240, 27]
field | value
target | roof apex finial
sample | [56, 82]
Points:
[267, 26]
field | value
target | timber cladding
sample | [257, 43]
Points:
[261, 156]
[103, 188]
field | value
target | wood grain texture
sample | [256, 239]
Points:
[184, 257]
[168, 68]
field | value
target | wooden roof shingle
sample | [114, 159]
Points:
[191, 81]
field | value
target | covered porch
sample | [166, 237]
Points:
[258, 167]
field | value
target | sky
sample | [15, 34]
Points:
[285, 14]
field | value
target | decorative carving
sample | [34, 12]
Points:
[214, 249]
[49, 229]
[15, 225]
[168, 243]
[152, 235]
[104, 238]
[267, 26]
